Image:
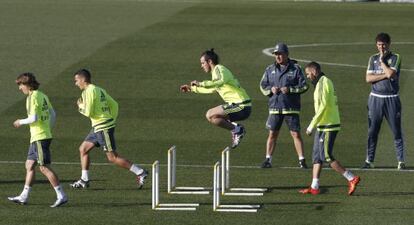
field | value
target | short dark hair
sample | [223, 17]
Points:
[29, 80]
[211, 55]
[383, 37]
[314, 65]
[85, 74]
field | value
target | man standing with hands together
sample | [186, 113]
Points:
[283, 82]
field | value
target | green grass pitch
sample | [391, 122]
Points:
[141, 51]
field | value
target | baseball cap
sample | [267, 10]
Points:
[281, 48]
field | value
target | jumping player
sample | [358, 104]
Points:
[238, 103]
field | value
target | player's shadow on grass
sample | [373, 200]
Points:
[302, 203]
[35, 182]
[108, 204]
[316, 205]
[382, 194]
[120, 189]
[324, 189]
[407, 169]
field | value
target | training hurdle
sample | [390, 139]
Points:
[217, 207]
[225, 179]
[172, 189]
[156, 205]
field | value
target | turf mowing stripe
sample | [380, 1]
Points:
[209, 166]
[268, 52]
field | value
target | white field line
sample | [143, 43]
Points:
[268, 52]
[209, 166]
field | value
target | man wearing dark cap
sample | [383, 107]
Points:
[283, 82]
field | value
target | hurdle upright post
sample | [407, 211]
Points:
[155, 185]
[156, 205]
[171, 168]
[171, 182]
[217, 207]
[225, 179]
[225, 169]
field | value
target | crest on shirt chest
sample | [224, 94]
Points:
[377, 68]
[389, 61]
[290, 74]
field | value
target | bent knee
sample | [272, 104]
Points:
[82, 149]
[85, 148]
[42, 169]
[210, 115]
[30, 165]
[295, 134]
[272, 134]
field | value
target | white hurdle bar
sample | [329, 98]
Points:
[217, 207]
[172, 189]
[225, 179]
[156, 205]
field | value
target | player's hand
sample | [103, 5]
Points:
[275, 90]
[16, 124]
[195, 83]
[391, 76]
[80, 103]
[309, 131]
[185, 88]
[383, 56]
[284, 90]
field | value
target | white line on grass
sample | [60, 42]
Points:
[268, 52]
[209, 166]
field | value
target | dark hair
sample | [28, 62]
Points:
[383, 37]
[211, 55]
[314, 65]
[29, 80]
[85, 74]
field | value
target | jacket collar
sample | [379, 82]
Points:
[314, 82]
[285, 68]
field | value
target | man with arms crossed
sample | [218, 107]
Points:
[383, 74]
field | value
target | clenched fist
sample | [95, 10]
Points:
[185, 88]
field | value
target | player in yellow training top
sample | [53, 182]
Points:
[40, 118]
[327, 122]
[238, 103]
[102, 109]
